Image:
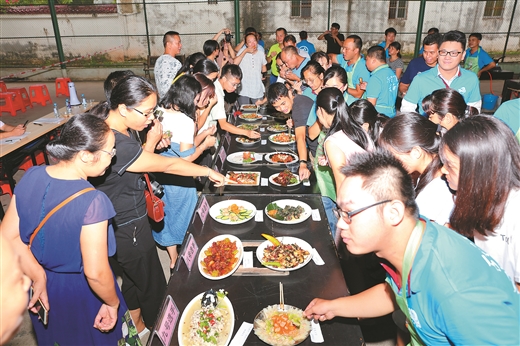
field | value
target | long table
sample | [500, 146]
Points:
[250, 294]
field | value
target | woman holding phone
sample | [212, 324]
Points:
[67, 259]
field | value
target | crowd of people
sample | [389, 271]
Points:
[427, 184]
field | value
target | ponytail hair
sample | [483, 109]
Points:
[83, 132]
[131, 92]
[331, 100]
[362, 111]
[444, 101]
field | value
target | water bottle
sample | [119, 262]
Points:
[56, 111]
[83, 101]
[68, 106]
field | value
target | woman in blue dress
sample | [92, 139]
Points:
[180, 195]
[68, 258]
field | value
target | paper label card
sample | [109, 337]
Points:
[264, 182]
[317, 258]
[259, 216]
[316, 215]
[316, 334]
[191, 252]
[242, 334]
[262, 129]
[203, 210]
[306, 182]
[247, 261]
[263, 142]
[169, 318]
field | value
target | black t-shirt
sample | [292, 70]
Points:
[125, 189]
[332, 45]
[302, 106]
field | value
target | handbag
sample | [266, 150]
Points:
[154, 205]
[55, 209]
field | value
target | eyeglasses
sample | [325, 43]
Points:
[147, 114]
[347, 215]
[452, 53]
[234, 85]
[112, 152]
[308, 82]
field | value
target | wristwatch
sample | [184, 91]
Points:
[304, 161]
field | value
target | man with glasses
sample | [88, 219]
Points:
[450, 291]
[355, 66]
[166, 66]
[426, 61]
[230, 77]
[448, 74]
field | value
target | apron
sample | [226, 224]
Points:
[350, 78]
[409, 255]
[471, 63]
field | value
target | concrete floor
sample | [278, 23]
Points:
[94, 90]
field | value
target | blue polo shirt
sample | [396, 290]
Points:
[383, 86]
[466, 83]
[383, 44]
[509, 112]
[306, 46]
[459, 295]
[483, 57]
[416, 66]
[298, 71]
[360, 71]
[313, 117]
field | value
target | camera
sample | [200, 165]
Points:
[157, 189]
[228, 37]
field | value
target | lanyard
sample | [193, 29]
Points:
[409, 255]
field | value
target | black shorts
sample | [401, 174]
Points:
[144, 284]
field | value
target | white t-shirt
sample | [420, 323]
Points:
[180, 125]
[435, 201]
[504, 243]
[218, 111]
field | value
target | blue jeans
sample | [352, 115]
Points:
[328, 204]
[272, 79]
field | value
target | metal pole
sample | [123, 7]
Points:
[57, 35]
[509, 30]
[237, 22]
[420, 23]
[328, 18]
[146, 25]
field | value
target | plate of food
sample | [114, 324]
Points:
[246, 140]
[208, 318]
[252, 127]
[280, 157]
[288, 211]
[285, 179]
[277, 128]
[220, 257]
[282, 327]
[248, 108]
[250, 116]
[282, 138]
[243, 178]
[284, 253]
[243, 157]
[232, 211]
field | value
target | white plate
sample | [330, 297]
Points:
[272, 129]
[254, 127]
[214, 211]
[238, 158]
[249, 108]
[271, 138]
[243, 117]
[307, 211]
[239, 255]
[259, 326]
[254, 140]
[271, 180]
[267, 157]
[285, 240]
[187, 319]
[256, 183]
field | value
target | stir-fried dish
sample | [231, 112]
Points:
[250, 116]
[285, 178]
[283, 138]
[286, 213]
[246, 178]
[221, 257]
[282, 158]
[284, 256]
[248, 157]
[246, 140]
[248, 127]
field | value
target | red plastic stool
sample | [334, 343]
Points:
[3, 87]
[10, 103]
[62, 86]
[37, 159]
[5, 187]
[40, 94]
[21, 93]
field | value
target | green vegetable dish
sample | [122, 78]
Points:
[287, 213]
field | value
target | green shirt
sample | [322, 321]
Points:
[274, 48]
[324, 175]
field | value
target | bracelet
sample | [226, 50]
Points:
[209, 170]
[304, 161]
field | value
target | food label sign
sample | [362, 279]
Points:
[227, 138]
[191, 251]
[222, 154]
[203, 209]
[169, 318]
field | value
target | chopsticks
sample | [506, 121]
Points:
[281, 297]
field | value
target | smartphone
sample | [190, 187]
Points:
[42, 311]
[25, 123]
